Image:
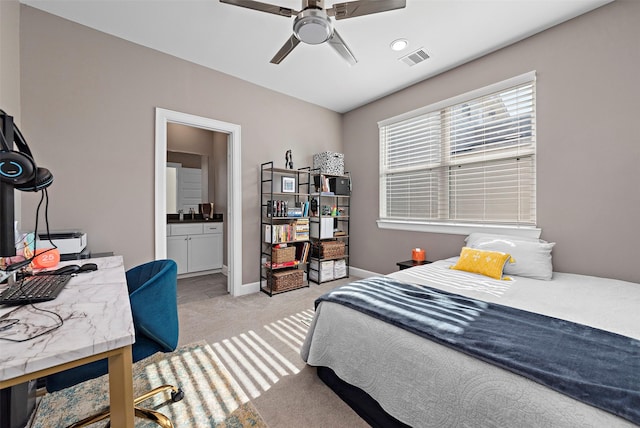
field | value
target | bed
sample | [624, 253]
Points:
[397, 377]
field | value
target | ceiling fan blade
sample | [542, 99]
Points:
[262, 7]
[364, 7]
[285, 49]
[341, 47]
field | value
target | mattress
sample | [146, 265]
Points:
[422, 383]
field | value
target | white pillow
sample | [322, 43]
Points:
[532, 257]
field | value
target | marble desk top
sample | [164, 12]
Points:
[95, 309]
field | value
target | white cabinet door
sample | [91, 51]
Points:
[177, 250]
[202, 249]
[217, 250]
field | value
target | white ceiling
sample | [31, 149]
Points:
[241, 42]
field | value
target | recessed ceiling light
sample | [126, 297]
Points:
[399, 44]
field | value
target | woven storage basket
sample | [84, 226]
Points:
[283, 255]
[328, 249]
[285, 279]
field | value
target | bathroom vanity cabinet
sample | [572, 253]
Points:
[196, 247]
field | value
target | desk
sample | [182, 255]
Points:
[97, 324]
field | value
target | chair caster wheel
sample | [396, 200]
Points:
[177, 395]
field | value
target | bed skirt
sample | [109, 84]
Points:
[361, 402]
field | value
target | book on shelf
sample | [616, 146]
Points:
[296, 230]
[302, 251]
[282, 265]
[305, 209]
[294, 212]
[302, 229]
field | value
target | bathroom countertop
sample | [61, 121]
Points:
[174, 218]
[197, 220]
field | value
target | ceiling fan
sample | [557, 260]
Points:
[313, 24]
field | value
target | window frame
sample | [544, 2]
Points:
[451, 226]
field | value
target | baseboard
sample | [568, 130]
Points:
[253, 287]
[224, 270]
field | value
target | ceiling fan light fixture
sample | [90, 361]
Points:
[313, 26]
[399, 44]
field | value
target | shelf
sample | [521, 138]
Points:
[281, 218]
[323, 195]
[344, 256]
[286, 171]
[266, 266]
[286, 242]
[315, 218]
[271, 293]
[331, 238]
[268, 194]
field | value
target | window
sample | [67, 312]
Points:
[469, 160]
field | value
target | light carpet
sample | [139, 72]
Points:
[212, 398]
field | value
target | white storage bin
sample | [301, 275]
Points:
[325, 224]
[339, 269]
[321, 272]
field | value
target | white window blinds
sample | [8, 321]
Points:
[470, 159]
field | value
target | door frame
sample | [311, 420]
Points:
[234, 188]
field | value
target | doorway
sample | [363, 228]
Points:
[234, 202]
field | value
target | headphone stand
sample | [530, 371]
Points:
[7, 215]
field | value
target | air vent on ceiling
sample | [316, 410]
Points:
[415, 57]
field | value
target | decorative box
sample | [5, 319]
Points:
[329, 163]
[285, 280]
[283, 255]
[328, 249]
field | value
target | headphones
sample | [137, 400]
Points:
[18, 168]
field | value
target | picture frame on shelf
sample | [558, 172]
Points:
[288, 184]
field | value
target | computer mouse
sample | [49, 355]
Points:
[66, 270]
[88, 267]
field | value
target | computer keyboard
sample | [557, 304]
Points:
[33, 289]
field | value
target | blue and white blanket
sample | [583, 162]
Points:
[591, 365]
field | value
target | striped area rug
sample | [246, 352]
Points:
[212, 398]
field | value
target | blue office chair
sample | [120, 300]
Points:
[152, 292]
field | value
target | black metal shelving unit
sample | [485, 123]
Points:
[340, 225]
[273, 215]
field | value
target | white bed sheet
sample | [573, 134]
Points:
[425, 384]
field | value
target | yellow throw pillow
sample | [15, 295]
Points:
[489, 263]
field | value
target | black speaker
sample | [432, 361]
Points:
[18, 167]
[339, 186]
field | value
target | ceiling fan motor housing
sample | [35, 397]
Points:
[313, 26]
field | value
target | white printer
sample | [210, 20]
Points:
[67, 242]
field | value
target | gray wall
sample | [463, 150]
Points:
[588, 145]
[88, 103]
[10, 60]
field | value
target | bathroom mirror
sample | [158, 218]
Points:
[187, 182]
